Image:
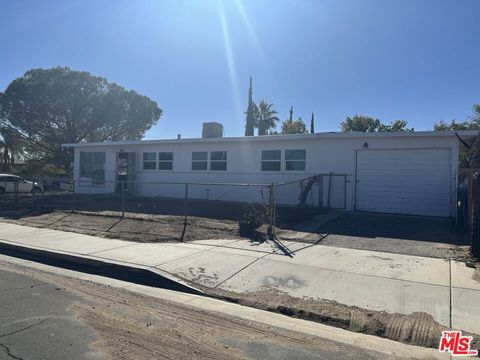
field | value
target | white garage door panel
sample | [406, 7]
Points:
[404, 181]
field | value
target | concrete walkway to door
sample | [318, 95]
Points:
[446, 289]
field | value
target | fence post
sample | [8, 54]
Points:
[16, 193]
[123, 199]
[33, 194]
[475, 234]
[271, 209]
[74, 189]
[186, 203]
[320, 190]
[329, 189]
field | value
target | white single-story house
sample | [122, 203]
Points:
[404, 172]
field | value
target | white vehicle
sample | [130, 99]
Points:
[11, 183]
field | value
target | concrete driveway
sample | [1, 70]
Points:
[401, 234]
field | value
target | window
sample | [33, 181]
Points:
[165, 161]
[149, 161]
[271, 160]
[295, 160]
[218, 160]
[92, 165]
[199, 160]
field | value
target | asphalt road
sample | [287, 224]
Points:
[36, 322]
[50, 316]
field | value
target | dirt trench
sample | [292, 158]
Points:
[418, 328]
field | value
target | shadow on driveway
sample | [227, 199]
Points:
[412, 235]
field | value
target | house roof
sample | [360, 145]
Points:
[326, 135]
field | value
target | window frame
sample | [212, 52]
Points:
[295, 160]
[218, 161]
[93, 165]
[264, 161]
[149, 161]
[165, 161]
[200, 161]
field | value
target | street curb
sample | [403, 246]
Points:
[388, 347]
[141, 275]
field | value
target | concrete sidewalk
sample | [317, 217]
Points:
[368, 279]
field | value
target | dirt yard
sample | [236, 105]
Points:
[133, 227]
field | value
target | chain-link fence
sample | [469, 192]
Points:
[253, 209]
[301, 199]
[475, 221]
[16, 192]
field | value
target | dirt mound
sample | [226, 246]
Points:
[416, 328]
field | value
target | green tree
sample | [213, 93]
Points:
[294, 126]
[471, 123]
[395, 126]
[252, 112]
[454, 125]
[470, 152]
[50, 107]
[267, 118]
[362, 123]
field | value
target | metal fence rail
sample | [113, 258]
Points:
[268, 204]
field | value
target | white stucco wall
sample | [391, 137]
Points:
[325, 154]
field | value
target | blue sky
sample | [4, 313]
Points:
[417, 60]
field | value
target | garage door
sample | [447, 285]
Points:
[404, 181]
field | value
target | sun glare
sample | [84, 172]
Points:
[248, 25]
[230, 59]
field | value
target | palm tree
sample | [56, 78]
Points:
[267, 119]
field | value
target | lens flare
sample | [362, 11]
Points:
[253, 36]
[230, 59]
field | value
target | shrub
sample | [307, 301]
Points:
[253, 216]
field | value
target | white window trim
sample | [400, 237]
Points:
[218, 161]
[164, 161]
[199, 161]
[149, 161]
[297, 160]
[94, 182]
[279, 160]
